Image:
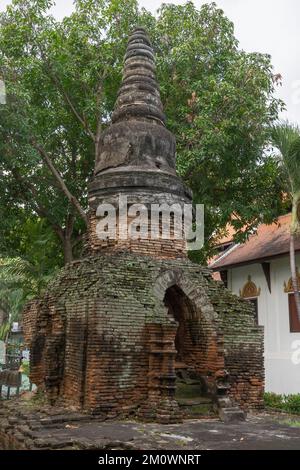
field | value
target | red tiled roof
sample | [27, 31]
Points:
[269, 241]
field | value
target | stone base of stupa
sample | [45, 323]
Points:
[107, 335]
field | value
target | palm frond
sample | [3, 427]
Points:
[4, 330]
[286, 138]
[14, 268]
[293, 163]
[283, 134]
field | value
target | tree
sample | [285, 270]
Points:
[62, 79]
[286, 138]
[220, 104]
[35, 262]
[55, 74]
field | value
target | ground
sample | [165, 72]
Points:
[33, 425]
[258, 432]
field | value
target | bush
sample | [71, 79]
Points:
[287, 403]
[292, 403]
[272, 400]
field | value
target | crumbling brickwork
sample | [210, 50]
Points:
[116, 336]
[244, 347]
[161, 248]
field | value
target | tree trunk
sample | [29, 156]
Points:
[67, 242]
[68, 250]
[65, 236]
[294, 273]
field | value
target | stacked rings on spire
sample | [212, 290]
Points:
[139, 96]
[137, 153]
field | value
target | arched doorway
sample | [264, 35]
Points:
[191, 391]
[183, 311]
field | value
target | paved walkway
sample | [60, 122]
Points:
[258, 432]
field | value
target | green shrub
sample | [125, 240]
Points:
[272, 400]
[292, 403]
[287, 403]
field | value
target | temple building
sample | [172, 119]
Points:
[134, 322]
[259, 271]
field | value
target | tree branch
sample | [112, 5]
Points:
[82, 120]
[98, 117]
[48, 162]
[67, 98]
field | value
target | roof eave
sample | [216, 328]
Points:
[252, 261]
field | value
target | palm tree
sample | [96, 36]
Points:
[4, 331]
[21, 274]
[20, 281]
[286, 138]
[26, 277]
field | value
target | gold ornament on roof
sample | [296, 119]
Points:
[288, 286]
[250, 290]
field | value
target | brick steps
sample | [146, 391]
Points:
[190, 396]
[232, 414]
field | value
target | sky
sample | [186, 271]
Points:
[267, 26]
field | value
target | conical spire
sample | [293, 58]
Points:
[137, 153]
[137, 139]
[139, 97]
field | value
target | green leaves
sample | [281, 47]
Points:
[27, 274]
[4, 331]
[62, 80]
[220, 104]
[286, 138]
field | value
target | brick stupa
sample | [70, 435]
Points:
[123, 329]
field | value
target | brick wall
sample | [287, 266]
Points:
[243, 346]
[93, 344]
[170, 248]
